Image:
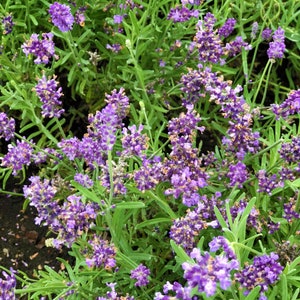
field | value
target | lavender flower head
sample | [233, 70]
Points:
[290, 151]
[208, 271]
[84, 180]
[264, 271]
[288, 107]
[234, 47]
[41, 195]
[7, 24]
[182, 14]
[49, 94]
[207, 42]
[113, 295]
[100, 254]
[8, 285]
[134, 143]
[227, 28]
[42, 49]
[140, 273]
[277, 47]
[74, 218]
[7, 127]
[104, 124]
[266, 34]
[61, 16]
[17, 156]
[237, 174]
[79, 16]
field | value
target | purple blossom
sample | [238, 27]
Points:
[186, 230]
[118, 19]
[290, 151]
[234, 47]
[266, 34]
[7, 24]
[133, 143]
[140, 274]
[267, 183]
[207, 42]
[100, 254]
[240, 138]
[61, 16]
[209, 270]
[237, 174]
[277, 47]
[182, 168]
[41, 195]
[113, 295]
[42, 156]
[49, 94]
[264, 271]
[149, 174]
[254, 30]
[289, 106]
[227, 28]
[7, 127]
[116, 48]
[42, 49]
[182, 14]
[74, 219]
[79, 16]
[8, 285]
[69, 220]
[70, 147]
[17, 156]
[180, 292]
[104, 124]
[84, 180]
[290, 212]
[130, 4]
[120, 174]
[192, 2]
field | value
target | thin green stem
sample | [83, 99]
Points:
[269, 65]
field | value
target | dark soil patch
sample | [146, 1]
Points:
[22, 243]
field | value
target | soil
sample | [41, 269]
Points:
[22, 243]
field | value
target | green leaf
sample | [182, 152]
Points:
[86, 192]
[33, 19]
[220, 218]
[295, 296]
[182, 255]
[284, 288]
[153, 222]
[253, 294]
[130, 205]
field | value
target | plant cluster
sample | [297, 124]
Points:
[159, 142]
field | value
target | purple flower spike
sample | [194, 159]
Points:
[277, 47]
[7, 127]
[42, 49]
[238, 174]
[8, 285]
[7, 24]
[141, 274]
[227, 28]
[49, 94]
[17, 156]
[290, 106]
[61, 16]
[264, 271]
[209, 270]
[102, 254]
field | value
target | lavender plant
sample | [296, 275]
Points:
[182, 180]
